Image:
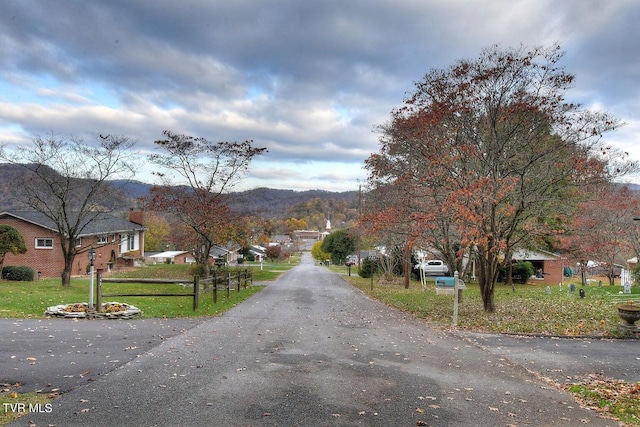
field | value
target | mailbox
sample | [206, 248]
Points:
[446, 285]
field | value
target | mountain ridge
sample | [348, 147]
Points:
[268, 203]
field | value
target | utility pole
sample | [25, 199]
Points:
[359, 213]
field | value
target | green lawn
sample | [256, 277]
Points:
[31, 299]
[529, 310]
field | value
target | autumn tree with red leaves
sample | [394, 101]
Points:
[197, 198]
[492, 155]
[604, 230]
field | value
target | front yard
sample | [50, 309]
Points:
[529, 310]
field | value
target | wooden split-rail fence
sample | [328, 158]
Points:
[217, 282]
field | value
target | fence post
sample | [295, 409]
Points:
[99, 293]
[238, 278]
[228, 284]
[215, 288]
[196, 291]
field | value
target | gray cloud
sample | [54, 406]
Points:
[308, 79]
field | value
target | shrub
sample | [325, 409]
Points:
[196, 270]
[635, 274]
[369, 268]
[522, 270]
[18, 273]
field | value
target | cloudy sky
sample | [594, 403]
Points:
[308, 79]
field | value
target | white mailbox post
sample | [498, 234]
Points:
[458, 286]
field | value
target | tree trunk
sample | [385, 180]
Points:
[203, 258]
[509, 274]
[407, 266]
[488, 298]
[488, 266]
[583, 273]
[66, 275]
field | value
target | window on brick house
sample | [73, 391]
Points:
[127, 242]
[44, 243]
[102, 240]
[78, 242]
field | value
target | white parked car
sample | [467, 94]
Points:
[433, 267]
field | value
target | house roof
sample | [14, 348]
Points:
[534, 255]
[100, 223]
[257, 250]
[218, 251]
[168, 254]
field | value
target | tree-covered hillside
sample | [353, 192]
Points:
[312, 207]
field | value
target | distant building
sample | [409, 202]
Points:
[306, 234]
[172, 257]
[281, 239]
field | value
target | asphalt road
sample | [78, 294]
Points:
[57, 355]
[310, 350]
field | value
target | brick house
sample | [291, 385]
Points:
[117, 241]
[548, 267]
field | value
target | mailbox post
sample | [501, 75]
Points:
[455, 298]
[451, 286]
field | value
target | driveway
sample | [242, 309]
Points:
[311, 350]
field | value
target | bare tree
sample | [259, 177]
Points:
[206, 171]
[67, 182]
